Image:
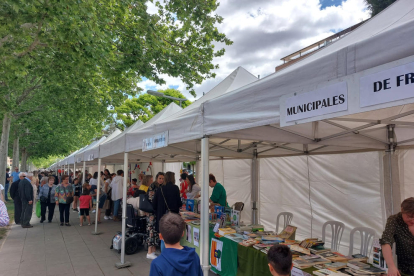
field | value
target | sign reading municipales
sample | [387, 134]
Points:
[326, 100]
[386, 86]
[157, 141]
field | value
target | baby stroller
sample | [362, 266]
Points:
[135, 234]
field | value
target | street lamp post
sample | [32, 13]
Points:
[162, 95]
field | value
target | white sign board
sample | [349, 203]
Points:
[326, 100]
[386, 86]
[157, 141]
[90, 157]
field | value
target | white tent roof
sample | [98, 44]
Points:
[188, 123]
[113, 150]
[79, 157]
[252, 113]
[93, 153]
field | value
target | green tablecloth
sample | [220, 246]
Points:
[251, 262]
[228, 257]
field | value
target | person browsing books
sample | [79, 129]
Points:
[219, 194]
[280, 260]
[400, 229]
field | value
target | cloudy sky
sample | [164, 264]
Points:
[264, 31]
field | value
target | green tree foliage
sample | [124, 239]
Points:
[144, 107]
[89, 54]
[376, 6]
[45, 162]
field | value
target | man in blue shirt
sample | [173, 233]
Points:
[15, 174]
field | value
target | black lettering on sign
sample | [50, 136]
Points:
[315, 105]
[377, 86]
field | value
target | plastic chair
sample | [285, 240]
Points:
[367, 236]
[287, 219]
[337, 228]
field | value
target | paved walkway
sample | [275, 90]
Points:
[50, 249]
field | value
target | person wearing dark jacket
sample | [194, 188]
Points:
[14, 194]
[26, 196]
[167, 198]
[175, 259]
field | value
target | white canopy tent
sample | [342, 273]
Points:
[246, 122]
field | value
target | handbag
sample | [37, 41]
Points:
[43, 199]
[144, 204]
[168, 211]
[69, 200]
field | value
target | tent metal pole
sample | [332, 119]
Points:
[204, 228]
[391, 134]
[123, 264]
[97, 199]
[390, 174]
[255, 188]
[74, 172]
[83, 172]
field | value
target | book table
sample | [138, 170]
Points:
[236, 259]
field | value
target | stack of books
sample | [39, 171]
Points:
[249, 242]
[309, 261]
[360, 269]
[334, 257]
[360, 258]
[235, 237]
[226, 231]
[325, 272]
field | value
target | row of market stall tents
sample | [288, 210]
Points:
[246, 120]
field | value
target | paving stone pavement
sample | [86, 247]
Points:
[50, 249]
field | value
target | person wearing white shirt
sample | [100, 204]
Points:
[117, 185]
[193, 189]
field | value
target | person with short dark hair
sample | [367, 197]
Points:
[63, 193]
[280, 260]
[219, 195]
[400, 229]
[27, 197]
[175, 259]
[117, 186]
[47, 200]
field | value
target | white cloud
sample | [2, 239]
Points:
[264, 31]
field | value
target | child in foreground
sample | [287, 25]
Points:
[280, 260]
[85, 203]
[175, 260]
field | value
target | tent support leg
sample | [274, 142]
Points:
[204, 228]
[83, 172]
[97, 200]
[123, 264]
[255, 188]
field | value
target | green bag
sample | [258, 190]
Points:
[38, 209]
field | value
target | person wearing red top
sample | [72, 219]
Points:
[85, 203]
[184, 186]
[134, 186]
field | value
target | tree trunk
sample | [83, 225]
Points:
[16, 154]
[4, 145]
[23, 167]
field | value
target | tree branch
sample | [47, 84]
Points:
[27, 92]
[27, 112]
